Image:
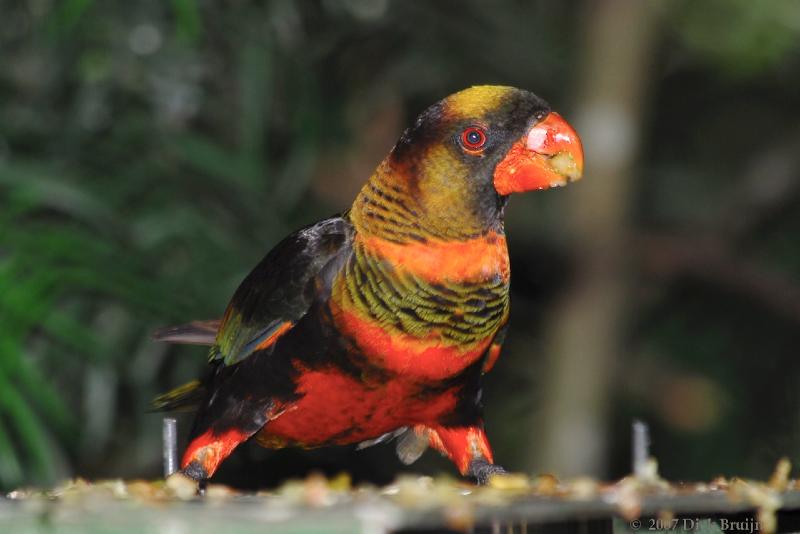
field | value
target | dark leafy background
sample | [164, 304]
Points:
[152, 152]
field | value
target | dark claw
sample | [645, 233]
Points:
[196, 471]
[483, 470]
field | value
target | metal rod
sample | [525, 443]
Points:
[640, 447]
[169, 436]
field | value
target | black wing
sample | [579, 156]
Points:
[280, 290]
[269, 301]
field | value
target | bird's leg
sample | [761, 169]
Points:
[208, 450]
[210, 447]
[468, 447]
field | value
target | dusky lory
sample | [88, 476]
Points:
[381, 322]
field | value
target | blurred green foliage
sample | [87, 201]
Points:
[152, 152]
[739, 37]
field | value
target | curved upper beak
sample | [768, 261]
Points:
[548, 155]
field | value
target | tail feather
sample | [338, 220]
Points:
[194, 333]
[183, 398]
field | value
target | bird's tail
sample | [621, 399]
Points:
[194, 333]
[184, 398]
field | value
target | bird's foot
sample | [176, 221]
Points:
[483, 470]
[196, 471]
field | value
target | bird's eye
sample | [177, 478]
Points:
[473, 139]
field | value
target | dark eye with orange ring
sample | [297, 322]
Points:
[473, 139]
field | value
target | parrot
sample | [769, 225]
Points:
[379, 323]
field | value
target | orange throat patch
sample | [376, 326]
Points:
[435, 260]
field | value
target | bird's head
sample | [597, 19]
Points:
[450, 174]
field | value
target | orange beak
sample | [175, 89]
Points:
[549, 155]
